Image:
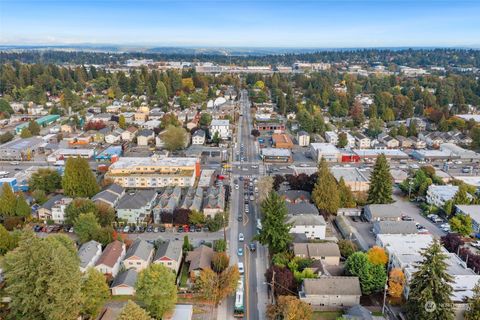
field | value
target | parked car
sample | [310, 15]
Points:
[240, 252]
[253, 246]
[126, 229]
[162, 229]
[180, 229]
[241, 270]
[241, 237]
[407, 218]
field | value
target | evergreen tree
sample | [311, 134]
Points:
[122, 122]
[8, 201]
[95, 292]
[78, 179]
[412, 129]
[347, 200]
[6, 240]
[325, 193]
[34, 128]
[473, 310]
[132, 311]
[161, 93]
[42, 278]
[342, 140]
[25, 133]
[275, 230]
[430, 287]
[380, 191]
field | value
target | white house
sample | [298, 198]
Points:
[124, 283]
[362, 141]
[303, 138]
[220, 126]
[111, 258]
[88, 254]
[139, 255]
[438, 195]
[198, 138]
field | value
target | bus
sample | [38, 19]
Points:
[239, 309]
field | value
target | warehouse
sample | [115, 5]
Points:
[21, 149]
[43, 121]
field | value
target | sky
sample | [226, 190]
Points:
[241, 23]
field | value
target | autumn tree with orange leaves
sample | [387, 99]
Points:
[396, 282]
[377, 255]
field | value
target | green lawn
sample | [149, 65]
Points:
[184, 275]
[327, 315]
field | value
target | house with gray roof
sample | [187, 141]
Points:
[301, 208]
[331, 293]
[88, 254]
[380, 212]
[168, 202]
[193, 199]
[214, 201]
[295, 196]
[169, 254]
[124, 283]
[144, 136]
[200, 259]
[139, 255]
[394, 227]
[110, 195]
[136, 206]
[312, 225]
[327, 252]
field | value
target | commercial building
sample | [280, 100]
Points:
[112, 152]
[394, 227]
[331, 293]
[375, 153]
[354, 178]
[277, 126]
[438, 195]
[303, 139]
[282, 141]
[43, 121]
[62, 154]
[459, 152]
[21, 149]
[222, 127]
[325, 151]
[154, 172]
[276, 155]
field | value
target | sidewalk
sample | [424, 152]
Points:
[262, 294]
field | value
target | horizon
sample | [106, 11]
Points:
[284, 24]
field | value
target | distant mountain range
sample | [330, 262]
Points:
[226, 51]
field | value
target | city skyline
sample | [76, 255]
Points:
[294, 24]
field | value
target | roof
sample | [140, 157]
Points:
[323, 249]
[295, 194]
[199, 133]
[349, 174]
[306, 220]
[87, 251]
[111, 254]
[140, 249]
[153, 161]
[473, 210]
[276, 152]
[128, 278]
[218, 122]
[200, 258]
[145, 133]
[404, 243]
[384, 210]
[22, 144]
[325, 148]
[51, 202]
[395, 227]
[137, 200]
[332, 286]
[169, 249]
[301, 208]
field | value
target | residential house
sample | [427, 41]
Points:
[114, 136]
[327, 252]
[54, 209]
[214, 201]
[124, 283]
[305, 219]
[382, 212]
[111, 258]
[145, 136]
[198, 138]
[136, 206]
[200, 259]
[418, 143]
[169, 254]
[331, 293]
[110, 195]
[404, 142]
[331, 137]
[472, 210]
[439, 194]
[88, 254]
[193, 199]
[389, 142]
[129, 134]
[222, 127]
[361, 141]
[139, 255]
[295, 196]
[168, 202]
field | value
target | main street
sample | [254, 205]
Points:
[255, 263]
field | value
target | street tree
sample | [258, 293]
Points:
[156, 289]
[325, 193]
[205, 119]
[133, 311]
[462, 224]
[220, 261]
[86, 227]
[95, 292]
[8, 201]
[265, 186]
[105, 214]
[289, 308]
[377, 255]
[42, 278]
[196, 217]
[174, 138]
[78, 179]
[275, 230]
[372, 276]
[214, 287]
[380, 191]
[430, 287]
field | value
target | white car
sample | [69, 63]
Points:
[236, 187]
[241, 237]
[241, 270]
[14, 163]
[303, 165]
[246, 209]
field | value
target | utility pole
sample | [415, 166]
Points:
[273, 286]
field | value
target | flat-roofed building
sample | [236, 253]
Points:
[353, 177]
[21, 149]
[276, 155]
[382, 212]
[331, 292]
[325, 151]
[154, 172]
[281, 140]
